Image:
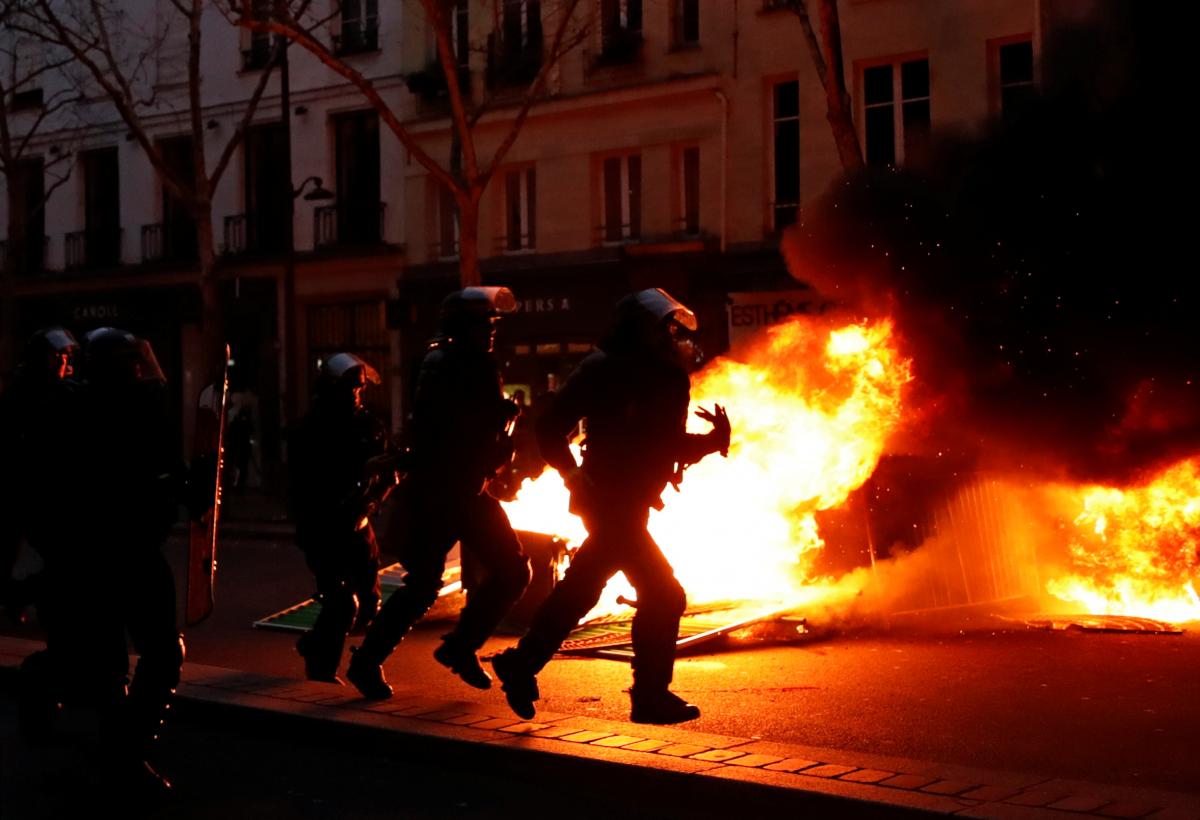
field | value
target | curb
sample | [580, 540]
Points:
[696, 768]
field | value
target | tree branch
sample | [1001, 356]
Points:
[288, 28]
[534, 91]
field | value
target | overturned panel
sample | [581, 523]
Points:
[612, 635]
[302, 616]
[1100, 623]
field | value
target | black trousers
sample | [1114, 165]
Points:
[345, 565]
[432, 520]
[90, 603]
[617, 542]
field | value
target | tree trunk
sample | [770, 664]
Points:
[839, 111]
[468, 241]
[212, 333]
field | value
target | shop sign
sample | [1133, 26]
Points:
[751, 313]
[551, 304]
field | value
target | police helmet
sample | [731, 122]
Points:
[476, 304]
[664, 307]
[339, 365]
[114, 355]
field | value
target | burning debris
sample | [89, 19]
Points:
[815, 403]
[1133, 550]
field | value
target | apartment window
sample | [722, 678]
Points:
[102, 207]
[520, 209]
[23, 83]
[518, 57]
[29, 99]
[360, 27]
[447, 224]
[27, 238]
[621, 178]
[689, 190]
[460, 34]
[257, 52]
[359, 211]
[178, 238]
[896, 133]
[620, 29]
[1015, 70]
[268, 187]
[785, 153]
[685, 22]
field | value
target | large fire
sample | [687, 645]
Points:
[812, 407]
[1134, 551]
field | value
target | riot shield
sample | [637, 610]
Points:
[208, 451]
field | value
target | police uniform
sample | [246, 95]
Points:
[633, 394]
[109, 576]
[459, 441]
[333, 492]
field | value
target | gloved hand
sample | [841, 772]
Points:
[719, 419]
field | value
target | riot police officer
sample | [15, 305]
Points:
[633, 392]
[338, 474]
[31, 431]
[109, 576]
[460, 440]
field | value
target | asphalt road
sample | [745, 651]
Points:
[1109, 708]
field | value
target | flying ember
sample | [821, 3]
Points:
[812, 407]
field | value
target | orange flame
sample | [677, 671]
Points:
[1134, 551]
[811, 408]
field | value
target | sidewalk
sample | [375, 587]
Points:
[799, 778]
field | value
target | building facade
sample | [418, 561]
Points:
[678, 138]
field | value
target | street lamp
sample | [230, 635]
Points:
[317, 194]
[289, 399]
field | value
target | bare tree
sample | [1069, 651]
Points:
[128, 62]
[826, 52]
[464, 173]
[26, 112]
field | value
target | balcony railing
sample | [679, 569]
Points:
[348, 223]
[239, 237]
[166, 243]
[515, 243]
[152, 242]
[444, 250]
[92, 249]
[430, 86]
[251, 233]
[616, 234]
[25, 256]
[356, 38]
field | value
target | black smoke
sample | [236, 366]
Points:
[1044, 274]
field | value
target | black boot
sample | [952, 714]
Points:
[130, 730]
[660, 706]
[367, 675]
[463, 662]
[319, 664]
[518, 682]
